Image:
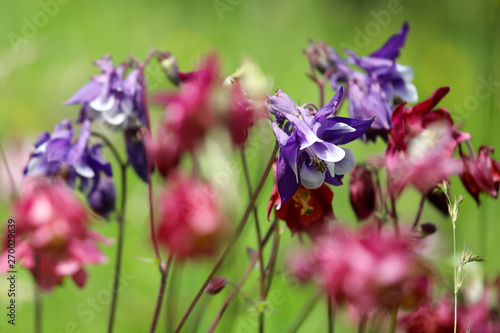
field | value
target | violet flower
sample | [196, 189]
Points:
[309, 152]
[57, 156]
[111, 98]
[117, 101]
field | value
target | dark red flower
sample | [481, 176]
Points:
[241, 116]
[307, 211]
[481, 174]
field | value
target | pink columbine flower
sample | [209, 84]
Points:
[52, 235]
[481, 173]
[422, 141]
[190, 223]
[366, 269]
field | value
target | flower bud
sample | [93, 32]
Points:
[362, 192]
[216, 285]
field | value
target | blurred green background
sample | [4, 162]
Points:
[45, 58]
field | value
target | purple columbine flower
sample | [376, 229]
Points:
[56, 155]
[394, 79]
[309, 152]
[111, 98]
[117, 101]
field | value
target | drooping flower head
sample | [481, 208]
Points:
[52, 236]
[190, 222]
[481, 173]
[56, 155]
[309, 154]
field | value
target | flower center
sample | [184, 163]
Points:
[302, 198]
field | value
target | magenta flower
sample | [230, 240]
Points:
[422, 141]
[190, 223]
[481, 173]
[367, 269]
[52, 236]
[309, 154]
[191, 108]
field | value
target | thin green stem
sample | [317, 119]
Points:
[233, 240]
[274, 254]
[164, 269]
[419, 213]
[455, 279]
[121, 227]
[38, 309]
[262, 276]
[172, 294]
[394, 319]
[119, 249]
[237, 288]
[331, 314]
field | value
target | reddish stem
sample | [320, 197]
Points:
[233, 239]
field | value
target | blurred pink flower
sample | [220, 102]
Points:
[190, 110]
[362, 192]
[190, 223]
[367, 268]
[51, 234]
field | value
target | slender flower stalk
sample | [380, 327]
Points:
[237, 288]
[274, 255]
[38, 308]
[394, 319]
[331, 314]
[233, 240]
[234, 292]
[262, 295]
[121, 227]
[161, 292]
[419, 213]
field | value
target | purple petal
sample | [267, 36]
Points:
[290, 153]
[330, 107]
[287, 183]
[333, 136]
[346, 164]
[58, 149]
[306, 136]
[391, 48]
[336, 180]
[76, 152]
[281, 136]
[310, 177]
[85, 94]
[328, 152]
[136, 154]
